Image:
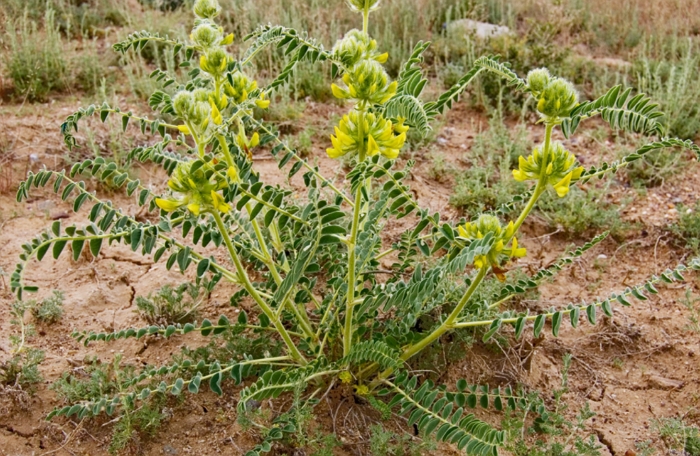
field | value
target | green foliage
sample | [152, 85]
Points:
[677, 435]
[383, 442]
[582, 212]
[169, 305]
[49, 310]
[486, 184]
[687, 228]
[36, 63]
[556, 435]
[22, 369]
[306, 266]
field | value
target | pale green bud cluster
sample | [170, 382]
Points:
[556, 97]
[206, 9]
[356, 46]
[194, 108]
[207, 35]
[489, 224]
[560, 169]
[214, 61]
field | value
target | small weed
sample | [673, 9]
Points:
[556, 435]
[303, 142]
[690, 302]
[383, 442]
[488, 182]
[440, 169]
[94, 381]
[677, 435]
[50, 310]
[22, 368]
[170, 305]
[581, 211]
[687, 227]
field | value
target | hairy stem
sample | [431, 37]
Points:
[294, 351]
[357, 208]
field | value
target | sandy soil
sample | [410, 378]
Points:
[638, 366]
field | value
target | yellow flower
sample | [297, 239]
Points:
[489, 224]
[261, 102]
[219, 203]
[239, 86]
[356, 46]
[560, 169]
[377, 136]
[196, 190]
[366, 82]
[214, 61]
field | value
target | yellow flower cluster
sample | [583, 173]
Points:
[366, 82]
[560, 168]
[375, 135]
[490, 224]
[197, 189]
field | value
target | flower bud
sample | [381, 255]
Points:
[356, 46]
[366, 82]
[377, 136]
[363, 5]
[557, 99]
[537, 80]
[206, 9]
[183, 102]
[206, 35]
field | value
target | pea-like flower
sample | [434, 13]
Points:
[214, 62]
[560, 168]
[197, 190]
[356, 46]
[484, 225]
[206, 35]
[377, 136]
[206, 9]
[239, 87]
[366, 82]
[363, 5]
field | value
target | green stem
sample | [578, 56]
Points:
[357, 208]
[365, 20]
[347, 333]
[302, 316]
[541, 184]
[294, 351]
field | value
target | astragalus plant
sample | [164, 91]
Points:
[306, 264]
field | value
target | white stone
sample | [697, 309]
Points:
[481, 30]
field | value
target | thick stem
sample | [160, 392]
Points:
[294, 351]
